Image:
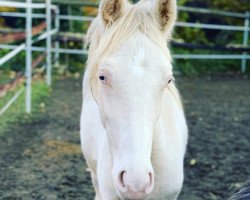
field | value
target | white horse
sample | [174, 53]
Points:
[133, 129]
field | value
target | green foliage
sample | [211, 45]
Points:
[4, 77]
[230, 5]
[185, 33]
[206, 66]
[72, 26]
[209, 37]
[190, 35]
[218, 36]
[15, 64]
[77, 64]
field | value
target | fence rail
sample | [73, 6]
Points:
[39, 4]
[11, 101]
[11, 54]
[27, 46]
[245, 29]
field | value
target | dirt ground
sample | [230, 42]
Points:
[43, 160]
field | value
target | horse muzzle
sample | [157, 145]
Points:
[135, 184]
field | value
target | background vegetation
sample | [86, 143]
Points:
[75, 63]
[16, 113]
[210, 37]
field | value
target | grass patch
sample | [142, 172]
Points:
[4, 77]
[16, 112]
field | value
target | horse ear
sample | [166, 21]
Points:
[111, 10]
[166, 14]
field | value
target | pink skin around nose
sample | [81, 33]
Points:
[134, 186]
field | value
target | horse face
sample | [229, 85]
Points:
[133, 72]
[131, 82]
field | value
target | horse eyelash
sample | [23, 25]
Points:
[171, 80]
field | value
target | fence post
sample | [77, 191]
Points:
[48, 41]
[245, 42]
[57, 44]
[28, 55]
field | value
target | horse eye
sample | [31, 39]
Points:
[170, 81]
[102, 78]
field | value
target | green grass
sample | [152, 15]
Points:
[16, 112]
[4, 77]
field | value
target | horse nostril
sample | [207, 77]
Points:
[150, 178]
[151, 183]
[121, 179]
[135, 185]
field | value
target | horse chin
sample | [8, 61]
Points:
[129, 194]
[132, 196]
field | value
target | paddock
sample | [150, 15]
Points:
[42, 158]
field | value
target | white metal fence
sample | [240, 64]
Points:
[28, 46]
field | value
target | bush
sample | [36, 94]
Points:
[194, 67]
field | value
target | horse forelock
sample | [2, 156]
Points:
[104, 40]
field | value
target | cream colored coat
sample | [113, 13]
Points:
[132, 119]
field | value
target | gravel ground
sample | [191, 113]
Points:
[43, 160]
